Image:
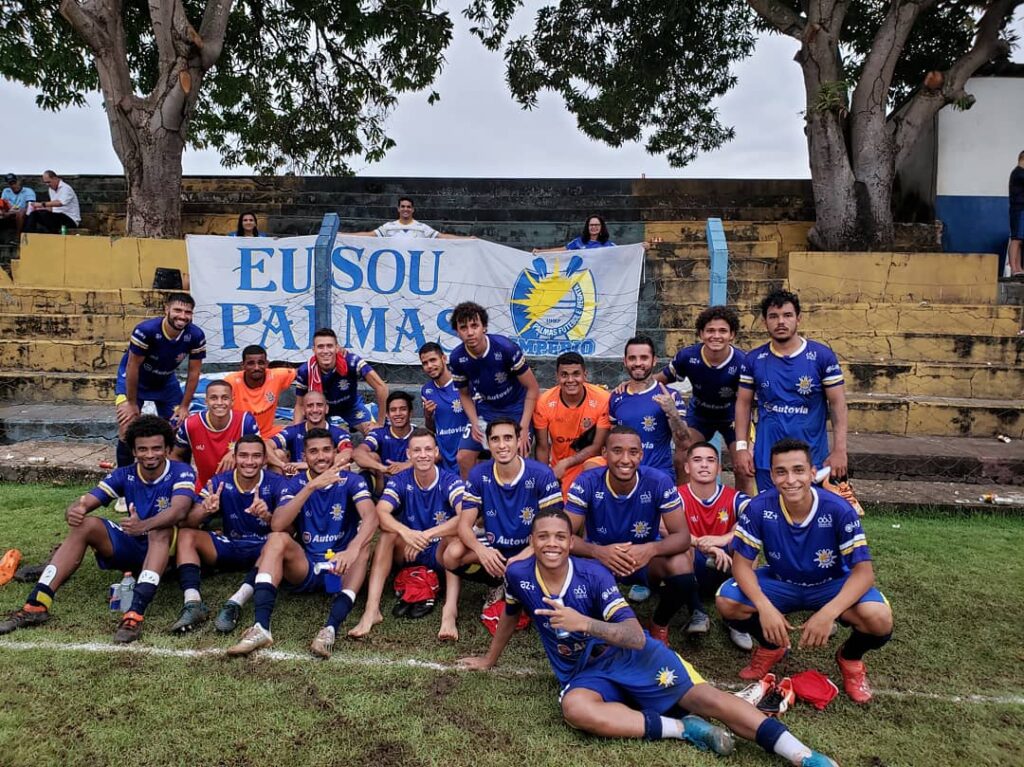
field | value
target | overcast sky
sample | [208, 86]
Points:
[474, 130]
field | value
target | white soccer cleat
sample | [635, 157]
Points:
[254, 638]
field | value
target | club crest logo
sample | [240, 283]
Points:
[337, 512]
[641, 529]
[527, 515]
[666, 677]
[804, 385]
[550, 305]
[825, 558]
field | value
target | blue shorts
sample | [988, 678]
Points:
[637, 578]
[790, 598]
[236, 554]
[708, 576]
[314, 581]
[166, 398]
[652, 678]
[1016, 224]
[708, 427]
[428, 558]
[353, 413]
[129, 550]
[515, 413]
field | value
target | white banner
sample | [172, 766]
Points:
[390, 296]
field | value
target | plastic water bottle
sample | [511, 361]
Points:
[126, 591]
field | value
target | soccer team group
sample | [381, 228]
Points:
[624, 491]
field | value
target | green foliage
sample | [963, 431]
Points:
[301, 84]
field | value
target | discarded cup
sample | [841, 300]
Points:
[37, 459]
[106, 464]
[1003, 438]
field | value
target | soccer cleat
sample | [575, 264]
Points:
[658, 632]
[855, 679]
[26, 617]
[420, 609]
[761, 662]
[638, 593]
[253, 639]
[843, 488]
[778, 699]
[699, 623]
[323, 643]
[753, 693]
[227, 617]
[129, 629]
[817, 760]
[401, 609]
[741, 639]
[707, 736]
[9, 565]
[192, 616]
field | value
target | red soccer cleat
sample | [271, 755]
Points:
[855, 679]
[761, 662]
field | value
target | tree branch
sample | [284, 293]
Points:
[211, 31]
[79, 16]
[780, 16]
[161, 18]
[988, 45]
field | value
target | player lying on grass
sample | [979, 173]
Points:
[621, 508]
[159, 493]
[603, 658]
[244, 498]
[504, 494]
[817, 559]
[710, 508]
[418, 514]
[333, 513]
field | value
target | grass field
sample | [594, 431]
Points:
[955, 585]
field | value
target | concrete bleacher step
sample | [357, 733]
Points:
[33, 386]
[936, 416]
[949, 379]
[59, 356]
[42, 300]
[686, 290]
[80, 327]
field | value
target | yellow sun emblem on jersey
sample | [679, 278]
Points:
[804, 385]
[163, 502]
[666, 677]
[641, 529]
[723, 515]
[439, 518]
[337, 512]
[527, 515]
[825, 557]
[649, 423]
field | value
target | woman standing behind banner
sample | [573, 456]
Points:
[595, 235]
[246, 226]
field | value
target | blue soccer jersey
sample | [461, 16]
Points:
[149, 498]
[449, 419]
[791, 399]
[634, 517]
[162, 355]
[340, 391]
[423, 507]
[640, 412]
[391, 447]
[493, 376]
[237, 523]
[292, 439]
[589, 588]
[825, 546]
[714, 386]
[329, 519]
[508, 509]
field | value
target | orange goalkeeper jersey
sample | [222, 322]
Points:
[565, 424]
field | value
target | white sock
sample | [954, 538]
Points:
[148, 576]
[241, 596]
[790, 748]
[192, 595]
[672, 728]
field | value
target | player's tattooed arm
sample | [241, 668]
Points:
[627, 634]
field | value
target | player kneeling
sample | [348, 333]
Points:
[603, 658]
[428, 499]
[333, 514]
[245, 498]
[159, 493]
[817, 559]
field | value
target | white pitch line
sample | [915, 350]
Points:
[378, 662]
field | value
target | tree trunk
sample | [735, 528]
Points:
[154, 187]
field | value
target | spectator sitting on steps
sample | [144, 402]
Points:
[61, 210]
[247, 226]
[15, 199]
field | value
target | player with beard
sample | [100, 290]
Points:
[651, 410]
[285, 451]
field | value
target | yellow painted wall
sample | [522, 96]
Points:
[894, 277]
[96, 263]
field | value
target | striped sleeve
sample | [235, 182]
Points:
[360, 491]
[670, 498]
[614, 609]
[853, 545]
[829, 370]
[184, 483]
[110, 488]
[456, 490]
[198, 350]
[551, 492]
[181, 436]
[391, 495]
[746, 542]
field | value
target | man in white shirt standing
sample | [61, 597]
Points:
[61, 210]
[407, 226]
